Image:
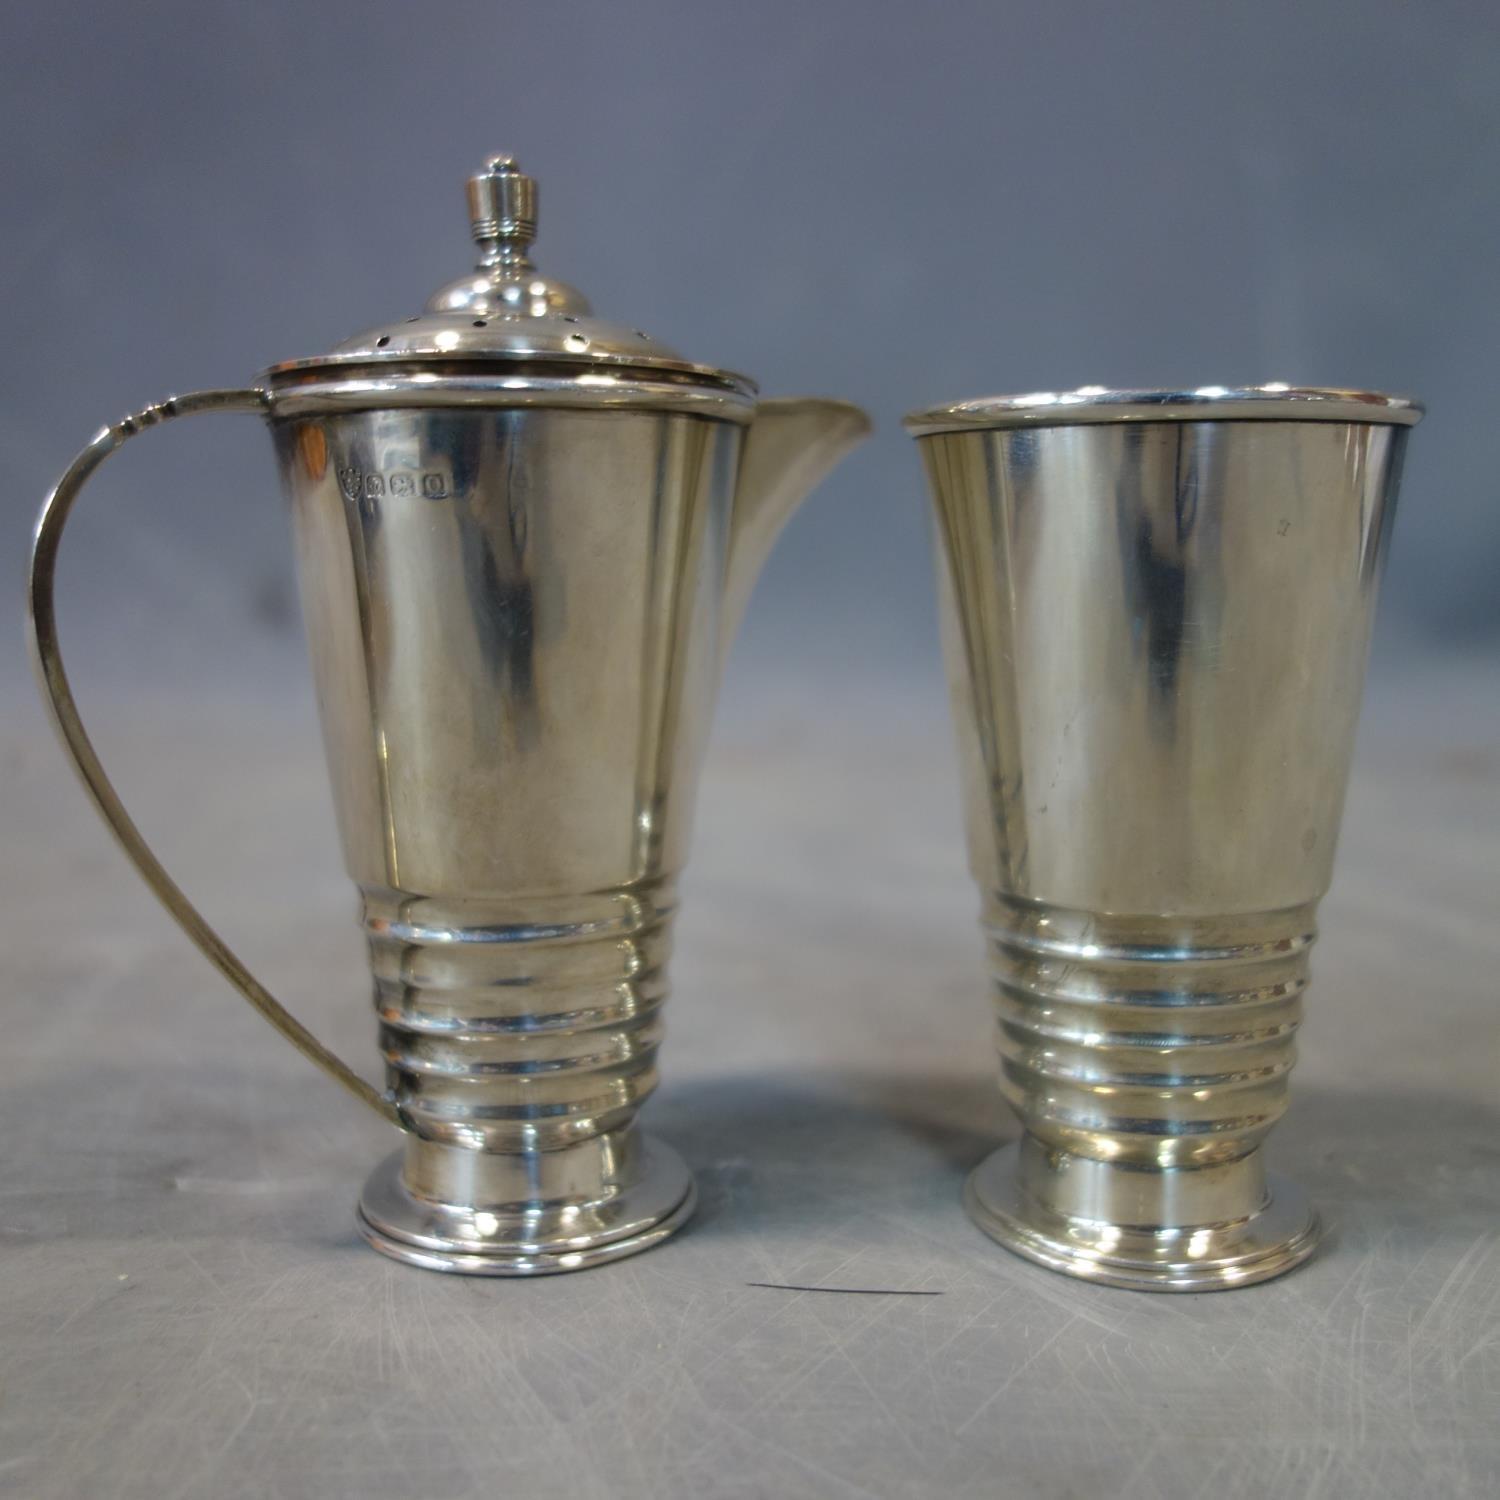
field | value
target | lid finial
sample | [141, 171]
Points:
[502, 210]
[505, 309]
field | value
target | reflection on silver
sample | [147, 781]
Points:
[1156, 609]
[524, 538]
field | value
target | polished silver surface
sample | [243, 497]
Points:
[516, 680]
[519, 581]
[1172, 1250]
[1273, 402]
[416, 1210]
[1156, 633]
[505, 384]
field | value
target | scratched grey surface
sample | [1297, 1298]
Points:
[185, 1309]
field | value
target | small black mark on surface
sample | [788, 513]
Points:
[845, 1291]
[1283, 526]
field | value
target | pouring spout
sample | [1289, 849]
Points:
[793, 443]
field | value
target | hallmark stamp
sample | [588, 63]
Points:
[357, 484]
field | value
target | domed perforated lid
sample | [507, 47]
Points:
[507, 310]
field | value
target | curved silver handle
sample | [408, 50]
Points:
[55, 689]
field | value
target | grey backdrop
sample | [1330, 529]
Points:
[893, 203]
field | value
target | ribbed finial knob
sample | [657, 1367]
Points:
[502, 206]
